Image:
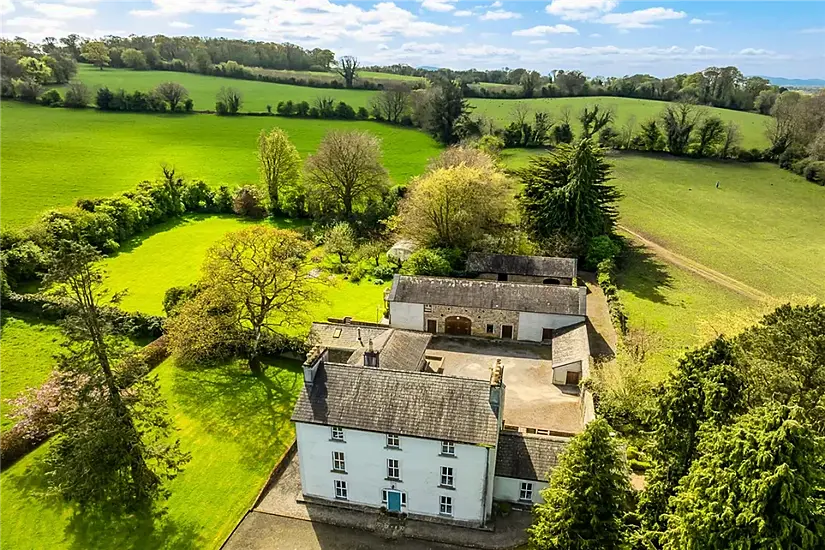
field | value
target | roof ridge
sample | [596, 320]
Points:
[485, 383]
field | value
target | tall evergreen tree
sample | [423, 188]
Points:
[587, 498]
[447, 107]
[757, 484]
[567, 196]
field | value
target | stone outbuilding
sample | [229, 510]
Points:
[522, 269]
[474, 307]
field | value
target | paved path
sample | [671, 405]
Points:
[695, 267]
[600, 329]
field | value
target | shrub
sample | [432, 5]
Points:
[426, 262]
[188, 105]
[77, 95]
[601, 248]
[789, 156]
[302, 109]
[220, 108]
[357, 272]
[383, 272]
[286, 108]
[815, 172]
[490, 144]
[51, 98]
[343, 110]
[104, 98]
[223, 201]
[174, 297]
[248, 202]
[27, 89]
[362, 113]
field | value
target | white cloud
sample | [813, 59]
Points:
[697, 21]
[6, 7]
[641, 19]
[756, 52]
[172, 7]
[60, 11]
[704, 49]
[34, 29]
[539, 42]
[381, 47]
[100, 33]
[485, 50]
[437, 5]
[180, 25]
[542, 30]
[463, 13]
[422, 49]
[227, 30]
[580, 10]
[499, 15]
[595, 35]
[496, 4]
[815, 30]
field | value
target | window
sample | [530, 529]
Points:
[337, 433]
[428, 308]
[384, 497]
[445, 506]
[338, 463]
[337, 333]
[490, 328]
[393, 469]
[448, 448]
[502, 276]
[341, 489]
[446, 477]
[393, 441]
[526, 492]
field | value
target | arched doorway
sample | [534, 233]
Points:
[461, 326]
[551, 282]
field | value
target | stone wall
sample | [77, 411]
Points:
[478, 317]
[511, 278]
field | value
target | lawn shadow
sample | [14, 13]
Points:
[643, 274]
[101, 529]
[229, 402]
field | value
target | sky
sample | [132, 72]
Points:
[599, 37]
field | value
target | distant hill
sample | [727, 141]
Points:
[797, 82]
[428, 68]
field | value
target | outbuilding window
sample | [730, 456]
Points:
[338, 463]
[337, 433]
[341, 490]
[393, 441]
[526, 491]
[448, 448]
[445, 505]
[447, 477]
[393, 469]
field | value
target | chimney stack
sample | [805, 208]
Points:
[497, 390]
[371, 356]
[315, 358]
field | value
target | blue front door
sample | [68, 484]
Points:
[394, 501]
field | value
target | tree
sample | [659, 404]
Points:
[203, 328]
[134, 59]
[172, 92]
[765, 100]
[279, 164]
[347, 67]
[264, 272]
[731, 140]
[96, 53]
[426, 262]
[651, 136]
[112, 447]
[446, 107]
[247, 202]
[710, 134]
[594, 119]
[587, 498]
[340, 240]
[679, 121]
[456, 207]
[229, 101]
[373, 250]
[345, 172]
[567, 197]
[756, 484]
[34, 69]
[529, 81]
[391, 104]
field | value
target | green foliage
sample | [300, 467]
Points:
[340, 240]
[601, 248]
[567, 197]
[587, 498]
[77, 95]
[710, 133]
[426, 262]
[679, 121]
[490, 144]
[134, 59]
[279, 165]
[248, 202]
[96, 53]
[446, 107]
[34, 69]
[176, 296]
[51, 98]
[229, 101]
[756, 484]
[563, 133]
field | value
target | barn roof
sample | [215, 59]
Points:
[535, 266]
[524, 456]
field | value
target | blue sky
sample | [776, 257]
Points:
[604, 37]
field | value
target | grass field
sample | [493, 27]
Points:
[378, 78]
[27, 349]
[751, 125]
[144, 269]
[203, 88]
[234, 425]
[52, 157]
[764, 226]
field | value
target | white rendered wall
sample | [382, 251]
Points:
[531, 324]
[409, 316]
[508, 489]
[560, 373]
[420, 462]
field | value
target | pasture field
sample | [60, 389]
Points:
[145, 270]
[331, 76]
[52, 157]
[27, 349]
[751, 125]
[203, 88]
[763, 226]
[234, 425]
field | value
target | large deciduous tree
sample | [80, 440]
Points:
[347, 67]
[567, 198]
[172, 92]
[457, 204]
[587, 498]
[710, 134]
[756, 484]
[391, 104]
[279, 165]
[264, 273]
[112, 448]
[134, 59]
[96, 53]
[345, 172]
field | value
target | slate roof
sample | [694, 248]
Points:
[535, 266]
[524, 456]
[414, 404]
[477, 293]
[571, 344]
[397, 349]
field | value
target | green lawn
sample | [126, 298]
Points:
[764, 226]
[751, 125]
[27, 349]
[234, 425]
[203, 88]
[52, 157]
[378, 78]
[172, 254]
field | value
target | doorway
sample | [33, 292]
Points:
[458, 326]
[507, 332]
[572, 378]
[547, 335]
[432, 326]
[394, 501]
